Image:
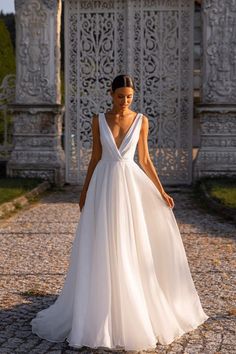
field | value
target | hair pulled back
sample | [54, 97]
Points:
[122, 81]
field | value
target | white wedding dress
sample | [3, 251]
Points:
[128, 284]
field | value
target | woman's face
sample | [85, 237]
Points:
[122, 97]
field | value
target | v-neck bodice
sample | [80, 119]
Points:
[118, 148]
[127, 148]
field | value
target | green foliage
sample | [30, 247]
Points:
[11, 188]
[9, 20]
[223, 190]
[7, 57]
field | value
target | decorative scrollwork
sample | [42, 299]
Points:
[7, 89]
[7, 95]
[19, 4]
[37, 79]
[149, 39]
[220, 51]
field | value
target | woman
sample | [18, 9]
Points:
[128, 284]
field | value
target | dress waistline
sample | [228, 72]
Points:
[121, 160]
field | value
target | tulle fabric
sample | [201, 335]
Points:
[128, 283]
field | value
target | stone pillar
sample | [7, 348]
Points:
[217, 154]
[37, 108]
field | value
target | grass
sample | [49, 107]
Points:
[223, 190]
[215, 188]
[11, 188]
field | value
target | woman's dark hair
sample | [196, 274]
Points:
[122, 81]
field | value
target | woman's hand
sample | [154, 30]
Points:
[168, 199]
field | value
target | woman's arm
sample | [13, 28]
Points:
[146, 162]
[95, 157]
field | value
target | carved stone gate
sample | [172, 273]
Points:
[152, 40]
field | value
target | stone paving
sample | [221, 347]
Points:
[34, 252]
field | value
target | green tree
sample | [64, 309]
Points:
[7, 56]
[9, 20]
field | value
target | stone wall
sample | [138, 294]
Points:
[37, 110]
[217, 111]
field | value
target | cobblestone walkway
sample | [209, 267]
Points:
[34, 252]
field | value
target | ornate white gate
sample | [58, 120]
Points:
[152, 40]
